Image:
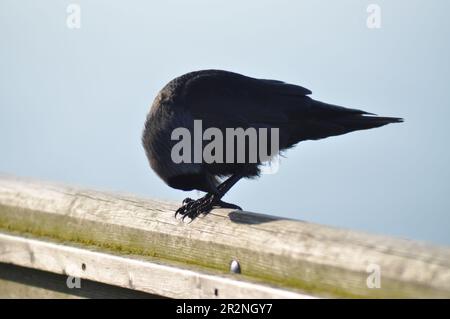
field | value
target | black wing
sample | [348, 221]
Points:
[224, 99]
[236, 99]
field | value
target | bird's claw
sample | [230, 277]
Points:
[187, 200]
[193, 208]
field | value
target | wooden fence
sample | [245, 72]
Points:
[61, 241]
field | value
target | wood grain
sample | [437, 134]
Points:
[21, 282]
[132, 273]
[290, 254]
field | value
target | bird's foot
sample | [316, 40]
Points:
[223, 204]
[193, 208]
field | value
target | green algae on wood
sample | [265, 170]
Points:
[316, 259]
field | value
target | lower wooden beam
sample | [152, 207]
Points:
[117, 271]
[18, 282]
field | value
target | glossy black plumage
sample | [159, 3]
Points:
[223, 100]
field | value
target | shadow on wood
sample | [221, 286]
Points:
[278, 257]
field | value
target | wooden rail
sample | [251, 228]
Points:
[137, 245]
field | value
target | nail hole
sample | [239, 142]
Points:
[216, 292]
[83, 266]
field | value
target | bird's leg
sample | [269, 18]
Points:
[192, 208]
[223, 204]
[224, 188]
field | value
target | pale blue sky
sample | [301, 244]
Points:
[73, 102]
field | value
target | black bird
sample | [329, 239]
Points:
[223, 99]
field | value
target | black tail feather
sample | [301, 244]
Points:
[330, 120]
[364, 122]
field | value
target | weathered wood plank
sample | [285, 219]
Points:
[293, 254]
[127, 272]
[20, 282]
[17, 290]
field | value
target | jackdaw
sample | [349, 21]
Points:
[224, 100]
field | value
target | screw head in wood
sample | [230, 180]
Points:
[235, 268]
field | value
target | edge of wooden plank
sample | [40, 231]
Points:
[129, 273]
[316, 259]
